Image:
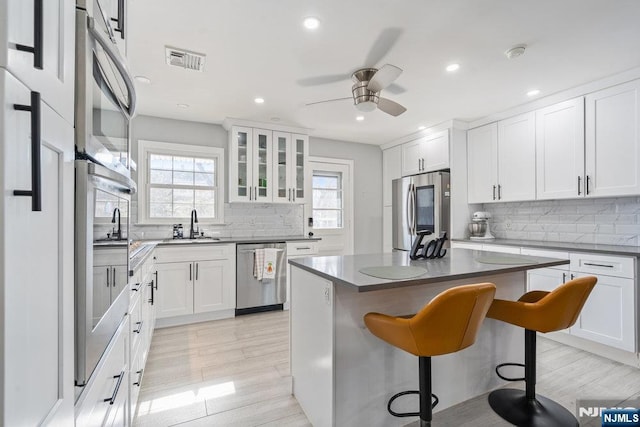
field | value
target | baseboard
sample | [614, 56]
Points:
[167, 322]
[626, 357]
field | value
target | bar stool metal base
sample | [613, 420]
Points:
[513, 406]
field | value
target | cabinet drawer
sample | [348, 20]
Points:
[602, 264]
[302, 248]
[109, 380]
[188, 253]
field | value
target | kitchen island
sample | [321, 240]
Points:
[344, 376]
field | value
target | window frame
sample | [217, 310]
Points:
[184, 150]
[340, 190]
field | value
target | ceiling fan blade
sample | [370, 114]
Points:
[383, 77]
[322, 80]
[390, 107]
[383, 44]
[329, 100]
[395, 89]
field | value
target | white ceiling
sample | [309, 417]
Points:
[260, 48]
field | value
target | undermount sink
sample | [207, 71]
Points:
[196, 240]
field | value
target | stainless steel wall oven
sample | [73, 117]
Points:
[105, 104]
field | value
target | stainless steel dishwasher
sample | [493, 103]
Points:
[253, 295]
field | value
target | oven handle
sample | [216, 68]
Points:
[119, 63]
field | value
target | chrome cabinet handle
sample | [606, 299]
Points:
[38, 32]
[114, 277]
[190, 267]
[572, 276]
[108, 284]
[36, 188]
[494, 192]
[151, 300]
[112, 399]
[587, 189]
[579, 182]
[136, 287]
[499, 192]
[564, 277]
[419, 168]
[294, 194]
[197, 264]
[303, 249]
[137, 331]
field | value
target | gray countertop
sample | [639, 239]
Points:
[457, 264]
[566, 246]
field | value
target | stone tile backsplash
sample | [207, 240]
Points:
[241, 220]
[611, 221]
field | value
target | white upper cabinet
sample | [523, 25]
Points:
[250, 156]
[501, 161]
[391, 169]
[290, 158]
[516, 158]
[612, 141]
[426, 154]
[560, 150]
[41, 58]
[482, 161]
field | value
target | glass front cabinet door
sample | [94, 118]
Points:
[290, 158]
[250, 160]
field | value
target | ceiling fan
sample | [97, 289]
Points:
[368, 82]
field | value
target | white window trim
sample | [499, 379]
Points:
[144, 146]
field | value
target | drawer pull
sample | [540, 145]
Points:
[303, 249]
[593, 264]
[564, 277]
[139, 377]
[112, 399]
[137, 331]
[136, 287]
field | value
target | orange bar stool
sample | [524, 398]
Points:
[448, 323]
[537, 311]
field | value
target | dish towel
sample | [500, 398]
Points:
[270, 258]
[258, 263]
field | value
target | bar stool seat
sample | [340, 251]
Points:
[447, 324]
[537, 311]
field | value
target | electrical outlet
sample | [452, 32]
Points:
[508, 225]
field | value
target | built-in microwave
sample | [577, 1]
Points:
[105, 94]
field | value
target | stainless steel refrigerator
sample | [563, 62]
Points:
[420, 203]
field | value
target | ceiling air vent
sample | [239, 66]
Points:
[185, 59]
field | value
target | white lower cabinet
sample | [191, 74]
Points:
[195, 280]
[104, 402]
[297, 250]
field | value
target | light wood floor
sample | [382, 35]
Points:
[235, 372]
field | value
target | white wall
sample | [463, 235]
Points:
[367, 183]
[367, 186]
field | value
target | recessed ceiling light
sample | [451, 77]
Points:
[311, 23]
[360, 118]
[452, 67]
[515, 51]
[183, 105]
[259, 100]
[422, 127]
[533, 92]
[143, 79]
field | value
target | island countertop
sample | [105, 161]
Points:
[456, 264]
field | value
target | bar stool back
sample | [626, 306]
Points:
[448, 323]
[537, 311]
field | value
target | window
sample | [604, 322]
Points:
[327, 200]
[175, 179]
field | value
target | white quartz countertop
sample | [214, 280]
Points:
[456, 264]
[566, 246]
